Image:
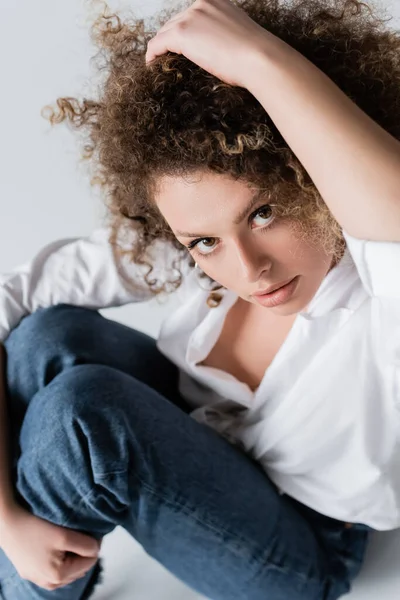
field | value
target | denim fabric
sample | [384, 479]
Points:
[103, 438]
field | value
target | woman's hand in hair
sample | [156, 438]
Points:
[216, 35]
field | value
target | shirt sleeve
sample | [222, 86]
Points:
[378, 265]
[80, 271]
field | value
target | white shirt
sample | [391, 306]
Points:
[325, 420]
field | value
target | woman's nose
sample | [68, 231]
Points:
[252, 262]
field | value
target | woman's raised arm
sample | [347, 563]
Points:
[353, 161]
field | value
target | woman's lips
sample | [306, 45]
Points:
[272, 288]
[279, 296]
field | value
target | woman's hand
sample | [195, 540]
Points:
[216, 35]
[45, 554]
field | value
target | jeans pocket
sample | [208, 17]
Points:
[348, 545]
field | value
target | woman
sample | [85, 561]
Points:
[254, 448]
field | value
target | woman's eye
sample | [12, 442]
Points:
[264, 213]
[204, 246]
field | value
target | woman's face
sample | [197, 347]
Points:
[235, 239]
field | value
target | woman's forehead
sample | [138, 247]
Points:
[195, 204]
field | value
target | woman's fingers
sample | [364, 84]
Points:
[214, 34]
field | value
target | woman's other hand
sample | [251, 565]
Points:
[43, 553]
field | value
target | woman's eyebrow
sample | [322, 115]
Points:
[243, 214]
[237, 220]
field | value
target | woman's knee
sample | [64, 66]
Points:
[84, 393]
[52, 339]
[44, 344]
[48, 330]
[75, 468]
[91, 398]
[78, 425]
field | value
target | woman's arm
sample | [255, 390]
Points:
[354, 163]
[6, 493]
[81, 272]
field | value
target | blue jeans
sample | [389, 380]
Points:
[102, 438]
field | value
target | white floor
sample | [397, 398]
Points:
[131, 573]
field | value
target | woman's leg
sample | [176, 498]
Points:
[52, 340]
[101, 448]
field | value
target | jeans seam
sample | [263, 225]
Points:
[269, 563]
[109, 474]
[74, 510]
[207, 525]
[170, 503]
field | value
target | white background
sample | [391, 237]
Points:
[45, 195]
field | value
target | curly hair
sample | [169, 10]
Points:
[174, 118]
